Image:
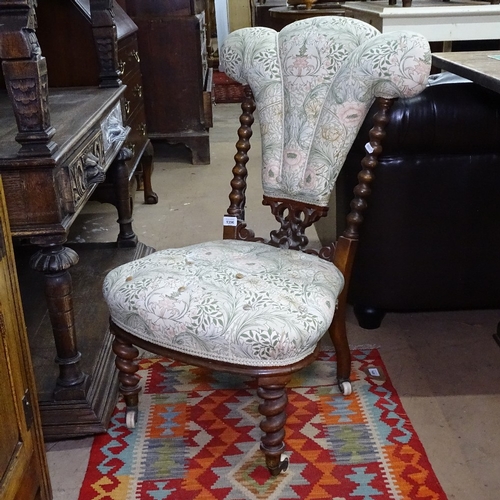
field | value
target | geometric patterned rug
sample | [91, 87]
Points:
[197, 437]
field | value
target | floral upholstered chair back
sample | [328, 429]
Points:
[313, 84]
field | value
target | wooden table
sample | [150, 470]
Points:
[476, 66]
[438, 21]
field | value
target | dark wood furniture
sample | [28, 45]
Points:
[483, 68]
[23, 467]
[173, 46]
[260, 12]
[282, 16]
[72, 61]
[56, 146]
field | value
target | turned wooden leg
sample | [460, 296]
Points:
[150, 197]
[273, 392]
[124, 202]
[125, 361]
[345, 248]
[54, 261]
[338, 335]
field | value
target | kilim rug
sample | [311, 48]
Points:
[198, 438]
[225, 89]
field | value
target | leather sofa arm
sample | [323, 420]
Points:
[453, 118]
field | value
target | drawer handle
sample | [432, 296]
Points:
[127, 106]
[135, 55]
[131, 146]
[142, 128]
[94, 173]
[121, 67]
[138, 90]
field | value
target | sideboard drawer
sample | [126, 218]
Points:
[87, 167]
[45, 194]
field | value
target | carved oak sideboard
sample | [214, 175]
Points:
[73, 61]
[56, 146]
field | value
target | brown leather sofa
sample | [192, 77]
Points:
[441, 168]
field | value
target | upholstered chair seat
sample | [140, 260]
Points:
[229, 300]
[260, 306]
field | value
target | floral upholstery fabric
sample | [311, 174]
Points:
[245, 302]
[313, 84]
[241, 302]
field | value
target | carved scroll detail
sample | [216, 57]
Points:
[246, 234]
[294, 218]
[86, 169]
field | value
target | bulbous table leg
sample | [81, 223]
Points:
[54, 261]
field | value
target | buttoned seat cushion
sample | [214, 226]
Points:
[246, 303]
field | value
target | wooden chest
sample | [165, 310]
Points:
[172, 40]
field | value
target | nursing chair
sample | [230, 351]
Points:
[254, 306]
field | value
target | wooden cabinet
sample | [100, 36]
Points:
[172, 40]
[72, 61]
[23, 467]
[57, 145]
[260, 13]
[138, 141]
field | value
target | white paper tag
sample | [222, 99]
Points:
[375, 373]
[369, 148]
[229, 221]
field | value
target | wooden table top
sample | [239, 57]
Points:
[424, 8]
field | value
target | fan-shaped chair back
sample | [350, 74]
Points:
[240, 305]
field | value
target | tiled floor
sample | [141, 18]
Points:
[445, 366]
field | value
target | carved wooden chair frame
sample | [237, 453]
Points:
[294, 218]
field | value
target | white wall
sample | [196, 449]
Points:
[222, 20]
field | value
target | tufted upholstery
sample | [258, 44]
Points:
[232, 301]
